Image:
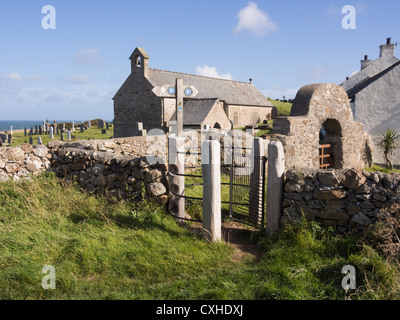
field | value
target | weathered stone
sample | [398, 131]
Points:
[78, 166]
[292, 214]
[12, 168]
[153, 175]
[354, 179]
[2, 164]
[315, 204]
[364, 189]
[368, 205]
[361, 219]
[131, 180]
[328, 178]
[98, 169]
[157, 189]
[99, 180]
[303, 209]
[329, 195]
[294, 196]
[33, 163]
[15, 154]
[353, 210]
[291, 187]
[332, 215]
[41, 151]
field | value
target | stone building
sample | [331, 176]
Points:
[374, 92]
[317, 108]
[148, 96]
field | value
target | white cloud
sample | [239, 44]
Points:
[86, 56]
[10, 80]
[35, 78]
[212, 72]
[252, 19]
[79, 79]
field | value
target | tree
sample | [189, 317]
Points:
[389, 142]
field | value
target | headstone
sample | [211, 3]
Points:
[89, 124]
[57, 130]
[39, 140]
[100, 124]
[73, 126]
[62, 136]
[31, 132]
[107, 125]
[30, 140]
[69, 135]
[11, 131]
[51, 133]
[36, 129]
[63, 128]
[82, 129]
[25, 133]
[40, 130]
[103, 131]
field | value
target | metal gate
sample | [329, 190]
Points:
[247, 189]
[246, 185]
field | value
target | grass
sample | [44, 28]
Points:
[377, 168]
[118, 250]
[284, 108]
[92, 133]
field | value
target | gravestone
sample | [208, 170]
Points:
[100, 124]
[36, 129]
[89, 124]
[39, 140]
[82, 127]
[57, 130]
[73, 126]
[51, 133]
[25, 133]
[62, 136]
[40, 130]
[107, 125]
[69, 135]
[30, 140]
[31, 132]
[103, 131]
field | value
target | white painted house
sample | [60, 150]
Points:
[374, 92]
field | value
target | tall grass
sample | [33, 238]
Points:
[118, 250]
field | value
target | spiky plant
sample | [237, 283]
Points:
[389, 142]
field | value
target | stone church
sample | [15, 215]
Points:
[148, 96]
[374, 92]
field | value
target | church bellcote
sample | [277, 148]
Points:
[139, 61]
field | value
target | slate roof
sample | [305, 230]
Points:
[232, 92]
[366, 82]
[196, 111]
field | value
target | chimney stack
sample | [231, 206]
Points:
[387, 50]
[366, 62]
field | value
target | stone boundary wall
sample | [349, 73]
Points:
[349, 200]
[113, 168]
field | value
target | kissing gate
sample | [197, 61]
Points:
[239, 182]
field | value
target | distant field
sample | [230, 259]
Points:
[92, 133]
[283, 107]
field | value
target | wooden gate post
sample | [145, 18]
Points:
[176, 165]
[276, 170]
[211, 166]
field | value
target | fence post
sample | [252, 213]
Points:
[176, 163]
[276, 170]
[211, 166]
[256, 195]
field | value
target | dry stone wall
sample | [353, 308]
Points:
[113, 168]
[349, 200]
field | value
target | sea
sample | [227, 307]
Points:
[21, 124]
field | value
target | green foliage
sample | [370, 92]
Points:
[389, 142]
[104, 249]
[284, 108]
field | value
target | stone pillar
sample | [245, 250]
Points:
[256, 182]
[276, 170]
[211, 166]
[176, 163]
[179, 105]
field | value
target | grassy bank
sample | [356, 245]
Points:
[92, 133]
[117, 250]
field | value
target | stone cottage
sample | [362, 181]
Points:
[148, 96]
[374, 92]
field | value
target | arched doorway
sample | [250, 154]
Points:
[331, 144]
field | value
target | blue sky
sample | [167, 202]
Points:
[73, 71]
